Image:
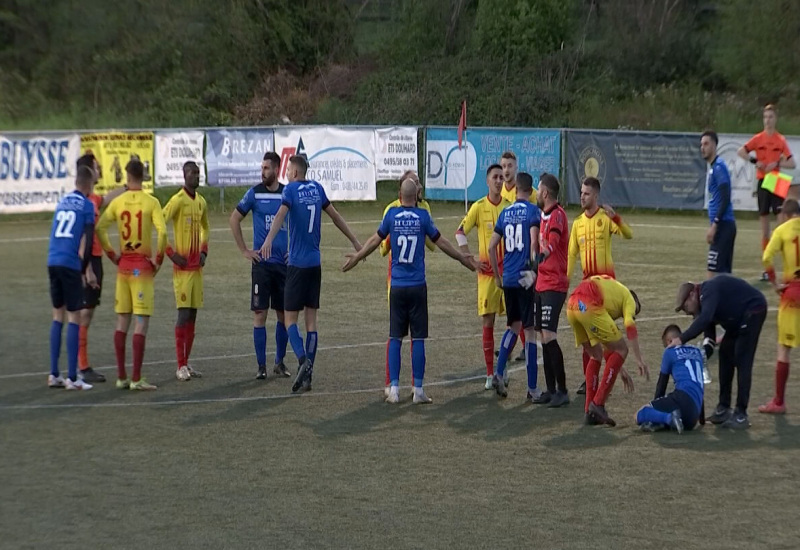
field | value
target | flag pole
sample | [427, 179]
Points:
[466, 183]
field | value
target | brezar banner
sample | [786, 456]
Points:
[638, 169]
[233, 157]
[341, 159]
[395, 152]
[173, 149]
[36, 171]
[447, 167]
[743, 173]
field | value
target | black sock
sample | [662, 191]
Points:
[549, 373]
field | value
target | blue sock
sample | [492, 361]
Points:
[531, 364]
[394, 361]
[260, 343]
[297, 343]
[506, 345]
[281, 340]
[55, 346]
[311, 346]
[649, 414]
[73, 330]
[418, 362]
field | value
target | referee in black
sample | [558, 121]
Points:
[741, 310]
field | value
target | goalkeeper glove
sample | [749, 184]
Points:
[708, 348]
[527, 279]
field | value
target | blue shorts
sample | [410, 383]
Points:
[66, 288]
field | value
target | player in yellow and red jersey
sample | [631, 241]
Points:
[590, 240]
[188, 212]
[508, 162]
[592, 309]
[785, 241]
[386, 249]
[483, 215]
[136, 214]
[91, 294]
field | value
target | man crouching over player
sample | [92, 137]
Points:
[683, 407]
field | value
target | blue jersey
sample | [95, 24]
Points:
[717, 179]
[514, 225]
[305, 200]
[407, 227]
[73, 213]
[685, 364]
[265, 204]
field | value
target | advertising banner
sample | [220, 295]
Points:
[638, 169]
[36, 171]
[233, 157]
[113, 150]
[173, 149]
[341, 159]
[395, 152]
[448, 169]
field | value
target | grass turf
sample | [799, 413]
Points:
[228, 461]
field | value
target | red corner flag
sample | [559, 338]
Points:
[462, 122]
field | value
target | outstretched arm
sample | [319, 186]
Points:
[342, 226]
[369, 247]
[448, 248]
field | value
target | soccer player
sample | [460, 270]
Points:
[136, 214]
[302, 202]
[722, 232]
[683, 407]
[552, 284]
[518, 229]
[91, 293]
[741, 310]
[67, 265]
[268, 273]
[483, 215]
[590, 239]
[386, 248]
[772, 152]
[785, 241]
[593, 307]
[188, 212]
[407, 227]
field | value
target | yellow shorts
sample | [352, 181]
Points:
[789, 324]
[188, 287]
[490, 298]
[593, 325]
[134, 293]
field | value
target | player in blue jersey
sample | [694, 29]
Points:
[302, 204]
[683, 407]
[518, 228]
[407, 226]
[722, 232]
[268, 273]
[68, 265]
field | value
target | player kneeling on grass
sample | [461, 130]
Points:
[683, 407]
[591, 311]
[518, 228]
[407, 226]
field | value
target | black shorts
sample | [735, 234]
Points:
[720, 253]
[548, 309]
[408, 308]
[66, 288]
[520, 306]
[681, 401]
[767, 201]
[302, 288]
[91, 296]
[268, 283]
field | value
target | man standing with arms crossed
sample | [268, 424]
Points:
[303, 202]
[590, 239]
[772, 152]
[136, 214]
[188, 212]
[483, 215]
[268, 274]
[552, 284]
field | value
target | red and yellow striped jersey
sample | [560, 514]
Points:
[189, 217]
[591, 240]
[618, 302]
[137, 214]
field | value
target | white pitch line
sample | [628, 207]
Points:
[325, 348]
